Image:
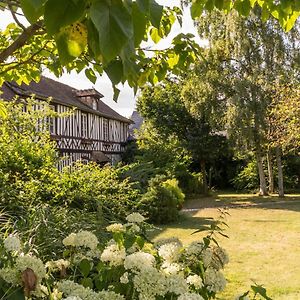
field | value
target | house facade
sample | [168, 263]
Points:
[87, 130]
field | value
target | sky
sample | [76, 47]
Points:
[126, 102]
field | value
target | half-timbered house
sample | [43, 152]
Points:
[93, 132]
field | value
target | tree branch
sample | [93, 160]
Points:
[20, 41]
[15, 17]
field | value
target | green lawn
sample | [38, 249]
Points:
[263, 244]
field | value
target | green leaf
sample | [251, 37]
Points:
[62, 13]
[243, 7]
[116, 93]
[114, 25]
[259, 289]
[32, 9]
[143, 6]
[16, 295]
[85, 267]
[139, 24]
[219, 4]
[210, 4]
[63, 48]
[156, 12]
[87, 283]
[197, 9]
[154, 33]
[90, 74]
[140, 241]
[114, 70]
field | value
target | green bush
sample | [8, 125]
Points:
[247, 178]
[162, 200]
[94, 188]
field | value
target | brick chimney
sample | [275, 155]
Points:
[89, 97]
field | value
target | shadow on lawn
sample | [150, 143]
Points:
[247, 201]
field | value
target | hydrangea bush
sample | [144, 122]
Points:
[129, 266]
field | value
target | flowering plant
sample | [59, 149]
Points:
[128, 266]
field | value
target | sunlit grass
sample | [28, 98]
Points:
[264, 243]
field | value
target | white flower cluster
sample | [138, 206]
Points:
[72, 289]
[135, 218]
[117, 227]
[171, 240]
[149, 283]
[113, 254]
[9, 275]
[171, 268]
[81, 239]
[12, 243]
[33, 263]
[57, 265]
[219, 258]
[215, 280]
[169, 252]
[195, 280]
[139, 261]
[190, 296]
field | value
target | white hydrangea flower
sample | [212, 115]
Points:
[33, 263]
[70, 288]
[195, 248]
[124, 278]
[9, 275]
[169, 252]
[117, 227]
[12, 243]
[149, 283]
[81, 239]
[70, 240]
[171, 240]
[72, 298]
[219, 258]
[172, 268]
[135, 228]
[86, 239]
[195, 280]
[177, 284]
[190, 296]
[135, 218]
[139, 260]
[113, 254]
[206, 257]
[215, 280]
[57, 265]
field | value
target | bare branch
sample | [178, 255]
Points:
[15, 17]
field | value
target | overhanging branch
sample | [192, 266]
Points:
[20, 41]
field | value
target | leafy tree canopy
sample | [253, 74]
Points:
[107, 36]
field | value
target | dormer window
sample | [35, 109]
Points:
[95, 105]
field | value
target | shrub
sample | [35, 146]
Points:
[247, 178]
[162, 200]
[127, 267]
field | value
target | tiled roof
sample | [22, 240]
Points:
[60, 93]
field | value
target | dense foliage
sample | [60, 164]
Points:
[129, 267]
[106, 36]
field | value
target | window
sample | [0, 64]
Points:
[84, 125]
[94, 104]
[105, 130]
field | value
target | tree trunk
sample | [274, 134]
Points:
[203, 171]
[280, 173]
[270, 172]
[262, 179]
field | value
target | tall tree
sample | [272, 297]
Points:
[254, 54]
[174, 111]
